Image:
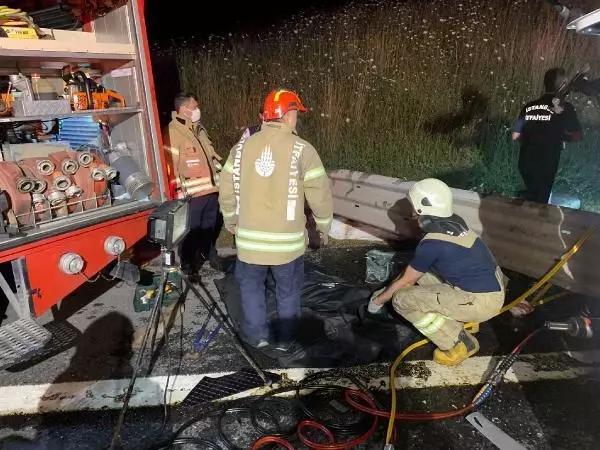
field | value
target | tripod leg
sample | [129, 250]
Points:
[221, 317]
[153, 321]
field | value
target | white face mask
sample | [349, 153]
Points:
[195, 115]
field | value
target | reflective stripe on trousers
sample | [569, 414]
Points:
[439, 311]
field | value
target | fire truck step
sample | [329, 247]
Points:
[210, 389]
[64, 335]
[21, 340]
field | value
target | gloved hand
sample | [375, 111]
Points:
[374, 308]
[324, 239]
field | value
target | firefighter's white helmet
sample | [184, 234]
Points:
[431, 197]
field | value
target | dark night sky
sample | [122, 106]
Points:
[202, 19]
[168, 19]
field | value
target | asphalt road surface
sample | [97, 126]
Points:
[71, 399]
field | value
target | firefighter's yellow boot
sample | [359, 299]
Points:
[466, 347]
[472, 327]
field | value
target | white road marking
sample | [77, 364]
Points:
[107, 394]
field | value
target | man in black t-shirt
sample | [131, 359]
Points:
[453, 278]
[542, 128]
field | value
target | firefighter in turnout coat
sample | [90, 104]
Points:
[193, 172]
[264, 184]
[452, 279]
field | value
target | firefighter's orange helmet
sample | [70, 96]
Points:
[279, 102]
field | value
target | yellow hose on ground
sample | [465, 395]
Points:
[550, 298]
[539, 294]
[473, 325]
[561, 262]
[401, 356]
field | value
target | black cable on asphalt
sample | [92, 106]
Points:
[230, 445]
[186, 440]
[344, 427]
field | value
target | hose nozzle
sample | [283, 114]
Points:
[580, 327]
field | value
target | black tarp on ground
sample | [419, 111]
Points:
[335, 329]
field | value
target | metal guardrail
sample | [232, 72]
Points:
[525, 237]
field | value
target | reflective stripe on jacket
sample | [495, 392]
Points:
[191, 159]
[263, 188]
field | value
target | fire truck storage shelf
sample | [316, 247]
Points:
[69, 188]
[96, 112]
[67, 46]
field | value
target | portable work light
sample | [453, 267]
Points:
[169, 223]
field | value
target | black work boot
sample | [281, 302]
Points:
[215, 261]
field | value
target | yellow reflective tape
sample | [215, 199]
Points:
[228, 214]
[267, 236]
[228, 167]
[278, 93]
[196, 181]
[326, 221]
[426, 320]
[434, 326]
[315, 173]
[262, 247]
[197, 189]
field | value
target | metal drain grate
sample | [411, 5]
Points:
[210, 389]
[21, 340]
[64, 335]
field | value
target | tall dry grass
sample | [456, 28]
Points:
[405, 89]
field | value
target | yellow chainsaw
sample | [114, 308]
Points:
[17, 24]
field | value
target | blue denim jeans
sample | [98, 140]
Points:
[289, 279]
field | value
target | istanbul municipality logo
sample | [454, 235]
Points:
[265, 165]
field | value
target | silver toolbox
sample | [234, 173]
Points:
[28, 108]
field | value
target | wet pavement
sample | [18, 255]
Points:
[542, 414]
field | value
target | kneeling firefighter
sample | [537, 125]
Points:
[452, 279]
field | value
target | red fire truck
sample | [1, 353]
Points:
[81, 165]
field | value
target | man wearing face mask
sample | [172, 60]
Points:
[452, 279]
[265, 182]
[193, 171]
